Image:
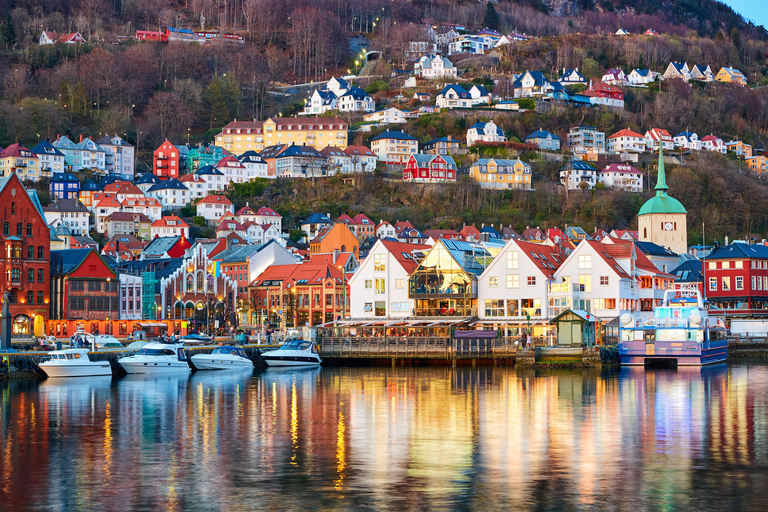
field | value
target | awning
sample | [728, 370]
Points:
[153, 324]
[326, 323]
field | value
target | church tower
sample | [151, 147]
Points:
[662, 219]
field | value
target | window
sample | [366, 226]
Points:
[29, 229]
[368, 284]
[754, 282]
[30, 251]
[19, 229]
[6, 228]
[40, 275]
[531, 307]
[30, 275]
[513, 307]
[726, 284]
[603, 280]
[40, 297]
[739, 282]
[738, 264]
[513, 281]
[380, 286]
[512, 260]
[329, 300]
[585, 282]
[726, 264]
[493, 281]
[379, 262]
[94, 286]
[494, 307]
[40, 252]
[30, 297]
[585, 261]
[399, 284]
[531, 280]
[712, 265]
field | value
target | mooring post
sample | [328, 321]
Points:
[394, 362]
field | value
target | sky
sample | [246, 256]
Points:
[752, 10]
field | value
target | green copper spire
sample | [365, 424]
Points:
[661, 181]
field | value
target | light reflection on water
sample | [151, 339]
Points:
[376, 438]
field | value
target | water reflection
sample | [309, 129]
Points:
[405, 438]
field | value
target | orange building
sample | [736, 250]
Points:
[335, 238]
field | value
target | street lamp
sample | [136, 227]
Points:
[344, 285]
[109, 298]
[293, 307]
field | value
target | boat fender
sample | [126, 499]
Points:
[3, 369]
[19, 363]
[29, 365]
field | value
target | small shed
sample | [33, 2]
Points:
[575, 328]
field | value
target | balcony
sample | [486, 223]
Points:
[161, 157]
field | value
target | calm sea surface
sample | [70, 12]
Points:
[389, 439]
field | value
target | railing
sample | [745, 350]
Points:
[424, 347]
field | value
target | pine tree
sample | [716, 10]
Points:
[217, 103]
[9, 30]
[491, 19]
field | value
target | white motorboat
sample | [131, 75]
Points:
[105, 341]
[293, 353]
[73, 362]
[196, 339]
[223, 358]
[157, 358]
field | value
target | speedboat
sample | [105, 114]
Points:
[195, 339]
[223, 358]
[157, 358]
[681, 333]
[73, 362]
[293, 353]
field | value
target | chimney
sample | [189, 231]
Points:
[482, 225]
[228, 242]
[726, 239]
[81, 137]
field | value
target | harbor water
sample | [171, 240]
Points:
[486, 438]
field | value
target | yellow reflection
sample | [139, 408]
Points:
[294, 423]
[107, 441]
[341, 461]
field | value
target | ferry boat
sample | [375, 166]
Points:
[223, 358]
[293, 353]
[157, 358]
[681, 332]
[74, 362]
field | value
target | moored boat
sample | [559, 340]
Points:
[73, 362]
[681, 332]
[223, 358]
[293, 353]
[157, 358]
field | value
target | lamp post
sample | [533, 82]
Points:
[109, 298]
[344, 285]
[293, 306]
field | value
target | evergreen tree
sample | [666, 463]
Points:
[491, 19]
[217, 103]
[736, 38]
[9, 30]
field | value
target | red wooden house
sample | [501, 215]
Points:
[429, 169]
[736, 280]
[151, 35]
[165, 161]
[25, 257]
[85, 293]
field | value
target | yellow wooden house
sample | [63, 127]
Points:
[730, 75]
[501, 174]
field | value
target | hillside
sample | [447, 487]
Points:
[713, 190]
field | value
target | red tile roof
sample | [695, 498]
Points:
[626, 133]
[267, 211]
[602, 252]
[400, 249]
[215, 199]
[163, 222]
[551, 260]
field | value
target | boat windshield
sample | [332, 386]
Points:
[296, 345]
[155, 352]
[229, 350]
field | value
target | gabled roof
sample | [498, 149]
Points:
[689, 271]
[215, 199]
[69, 260]
[66, 205]
[147, 178]
[626, 132]
[170, 221]
[109, 202]
[393, 135]
[546, 258]
[46, 148]
[541, 134]
[472, 258]
[171, 184]
[356, 93]
[538, 79]
[208, 170]
[621, 168]
[128, 217]
[359, 151]
[160, 245]
[459, 90]
[195, 178]
[318, 218]
[603, 253]
[268, 212]
[578, 165]
[230, 161]
[127, 243]
[251, 157]
[17, 150]
[480, 128]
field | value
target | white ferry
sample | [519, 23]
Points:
[681, 332]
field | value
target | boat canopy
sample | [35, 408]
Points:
[230, 350]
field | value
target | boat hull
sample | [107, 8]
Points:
[206, 362]
[302, 360]
[92, 369]
[159, 367]
[715, 352]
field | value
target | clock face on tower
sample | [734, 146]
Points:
[668, 226]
